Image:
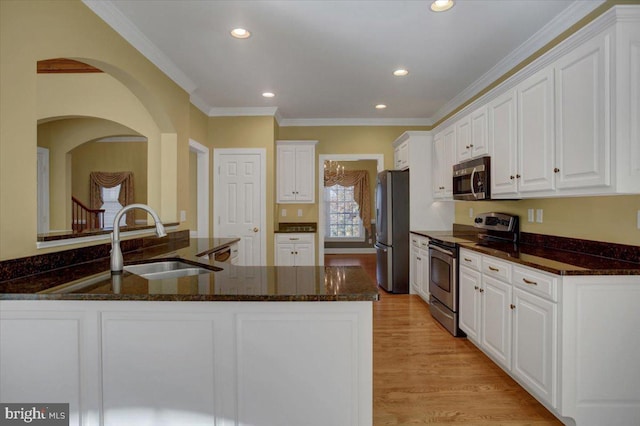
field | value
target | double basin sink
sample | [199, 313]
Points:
[160, 270]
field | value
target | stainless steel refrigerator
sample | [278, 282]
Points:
[392, 230]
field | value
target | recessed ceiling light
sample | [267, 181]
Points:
[400, 72]
[441, 5]
[381, 106]
[268, 94]
[240, 33]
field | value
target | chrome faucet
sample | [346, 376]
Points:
[117, 263]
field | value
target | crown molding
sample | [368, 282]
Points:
[123, 26]
[199, 103]
[560, 23]
[310, 122]
[241, 111]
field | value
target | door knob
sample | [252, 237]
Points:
[256, 229]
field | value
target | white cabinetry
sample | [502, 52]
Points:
[401, 154]
[295, 249]
[510, 312]
[472, 136]
[295, 176]
[583, 143]
[463, 138]
[423, 213]
[419, 267]
[444, 148]
[502, 133]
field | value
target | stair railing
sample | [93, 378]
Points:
[84, 218]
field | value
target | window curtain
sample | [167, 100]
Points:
[109, 180]
[359, 179]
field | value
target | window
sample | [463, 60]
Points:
[343, 215]
[111, 206]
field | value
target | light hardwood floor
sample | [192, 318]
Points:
[423, 375]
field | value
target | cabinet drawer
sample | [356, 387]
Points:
[496, 268]
[415, 240]
[536, 282]
[470, 259]
[294, 238]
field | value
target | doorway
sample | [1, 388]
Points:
[239, 206]
[322, 222]
[201, 189]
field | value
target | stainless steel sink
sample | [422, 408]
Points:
[167, 269]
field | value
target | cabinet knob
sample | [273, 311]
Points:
[471, 146]
[419, 258]
[482, 290]
[512, 306]
[476, 287]
[512, 177]
[556, 170]
[518, 176]
[467, 147]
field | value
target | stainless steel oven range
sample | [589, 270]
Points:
[443, 284]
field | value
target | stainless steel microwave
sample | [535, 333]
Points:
[471, 179]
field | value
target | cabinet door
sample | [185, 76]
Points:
[479, 135]
[449, 160]
[582, 116]
[286, 173]
[469, 287]
[503, 138]
[424, 270]
[304, 254]
[437, 166]
[535, 132]
[415, 270]
[495, 331]
[463, 139]
[304, 172]
[534, 344]
[285, 254]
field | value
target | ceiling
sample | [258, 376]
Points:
[331, 62]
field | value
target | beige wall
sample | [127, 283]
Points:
[32, 31]
[609, 219]
[198, 125]
[192, 212]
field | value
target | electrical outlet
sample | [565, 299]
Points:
[539, 215]
[284, 213]
[183, 215]
[299, 212]
[471, 212]
[530, 215]
[638, 219]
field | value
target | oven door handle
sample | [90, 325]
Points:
[441, 250]
[473, 173]
[379, 247]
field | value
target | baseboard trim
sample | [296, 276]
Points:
[360, 250]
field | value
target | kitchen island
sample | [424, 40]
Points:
[242, 345]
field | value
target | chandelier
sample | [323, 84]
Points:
[333, 170]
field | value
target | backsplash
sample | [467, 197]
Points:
[31, 265]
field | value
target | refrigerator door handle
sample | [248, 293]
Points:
[379, 247]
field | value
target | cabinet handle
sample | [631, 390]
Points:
[471, 146]
[414, 241]
[467, 147]
[476, 287]
[518, 176]
[419, 258]
[466, 259]
[293, 239]
[494, 269]
[512, 306]
[482, 290]
[512, 177]
[529, 282]
[556, 170]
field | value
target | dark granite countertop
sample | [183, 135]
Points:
[550, 259]
[93, 280]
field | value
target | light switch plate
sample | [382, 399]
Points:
[183, 215]
[284, 213]
[530, 215]
[638, 219]
[471, 212]
[539, 215]
[299, 212]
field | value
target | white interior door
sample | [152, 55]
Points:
[240, 201]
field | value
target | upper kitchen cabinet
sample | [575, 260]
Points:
[472, 136]
[401, 154]
[444, 148]
[295, 171]
[574, 129]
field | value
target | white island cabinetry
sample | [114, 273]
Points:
[191, 363]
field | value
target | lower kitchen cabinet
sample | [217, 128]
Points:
[534, 343]
[295, 249]
[419, 266]
[495, 324]
[470, 282]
